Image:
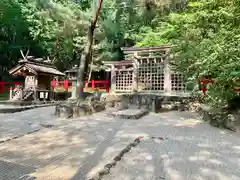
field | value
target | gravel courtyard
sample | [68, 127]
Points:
[175, 146]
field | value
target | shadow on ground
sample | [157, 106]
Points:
[189, 149]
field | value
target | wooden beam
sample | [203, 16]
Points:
[130, 50]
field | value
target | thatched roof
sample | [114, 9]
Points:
[35, 66]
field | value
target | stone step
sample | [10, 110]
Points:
[129, 113]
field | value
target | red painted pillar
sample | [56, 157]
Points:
[107, 88]
[65, 84]
[203, 88]
[1, 86]
[93, 84]
[54, 83]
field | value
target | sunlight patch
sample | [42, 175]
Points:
[189, 122]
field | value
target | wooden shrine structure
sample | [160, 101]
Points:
[146, 69]
[38, 75]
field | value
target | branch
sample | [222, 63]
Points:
[22, 54]
[95, 19]
[24, 57]
[27, 53]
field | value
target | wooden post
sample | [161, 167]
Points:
[2, 87]
[93, 84]
[113, 79]
[107, 84]
[21, 94]
[135, 78]
[167, 76]
[10, 93]
[65, 84]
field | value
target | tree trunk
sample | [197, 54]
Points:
[89, 74]
[86, 56]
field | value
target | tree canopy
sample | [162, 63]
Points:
[205, 34]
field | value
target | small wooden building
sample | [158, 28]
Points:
[146, 69]
[38, 75]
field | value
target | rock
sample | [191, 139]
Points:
[108, 166]
[117, 158]
[182, 107]
[89, 99]
[46, 125]
[57, 110]
[134, 144]
[104, 171]
[122, 153]
[97, 95]
[230, 122]
[66, 111]
[110, 104]
[113, 163]
[81, 108]
[95, 177]
[129, 146]
[218, 119]
[78, 112]
[98, 106]
[125, 102]
[137, 140]
[118, 104]
[82, 112]
[125, 150]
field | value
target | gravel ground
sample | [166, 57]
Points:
[17, 124]
[183, 148]
[175, 146]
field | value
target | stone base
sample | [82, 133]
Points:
[129, 113]
[220, 118]
[72, 110]
[151, 102]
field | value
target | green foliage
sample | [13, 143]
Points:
[205, 34]
[57, 28]
[13, 33]
[206, 38]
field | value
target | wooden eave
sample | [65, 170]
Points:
[130, 50]
[35, 69]
[123, 62]
[17, 70]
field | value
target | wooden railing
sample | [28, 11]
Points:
[6, 86]
[93, 85]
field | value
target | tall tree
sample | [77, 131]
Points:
[86, 56]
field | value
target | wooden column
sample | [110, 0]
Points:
[10, 93]
[135, 73]
[167, 76]
[135, 78]
[113, 79]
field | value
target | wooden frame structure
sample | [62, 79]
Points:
[147, 69]
[38, 75]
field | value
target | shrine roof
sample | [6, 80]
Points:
[133, 49]
[122, 62]
[94, 67]
[35, 66]
[74, 69]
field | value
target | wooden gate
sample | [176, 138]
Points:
[150, 74]
[124, 80]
